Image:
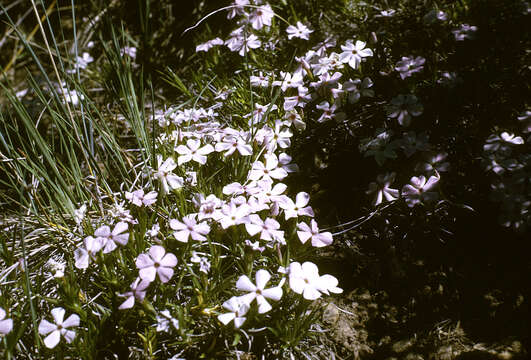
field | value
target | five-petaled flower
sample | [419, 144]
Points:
[59, 328]
[258, 291]
[304, 279]
[156, 262]
[306, 232]
[189, 228]
[237, 310]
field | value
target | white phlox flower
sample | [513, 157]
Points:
[193, 151]
[229, 144]
[300, 100]
[304, 279]
[6, 325]
[297, 208]
[156, 262]
[138, 197]
[83, 255]
[261, 17]
[354, 53]
[168, 179]
[208, 45]
[269, 170]
[189, 228]
[164, 320]
[234, 214]
[306, 232]
[237, 310]
[403, 107]
[287, 80]
[258, 291]
[268, 228]
[419, 190]
[59, 328]
[300, 31]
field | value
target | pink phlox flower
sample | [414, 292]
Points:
[164, 320]
[237, 311]
[189, 228]
[297, 208]
[209, 44]
[6, 325]
[258, 291]
[419, 190]
[138, 197]
[156, 262]
[113, 238]
[236, 188]
[300, 31]
[403, 107]
[382, 189]
[193, 151]
[325, 80]
[83, 255]
[353, 54]
[261, 17]
[268, 228]
[138, 292]
[272, 195]
[209, 207]
[59, 328]
[306, 232]
[249, 42]
[204, 263]
[304, 279]
[409, 65]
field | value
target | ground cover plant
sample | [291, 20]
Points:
[181, 181]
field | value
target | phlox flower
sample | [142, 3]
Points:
[382, 189]
[138, 292]
[280, 137]
[419, 190]
[237, 8]
[304, 279]
[403, 107]
[233, 214]
[164, 319]
[270, 194]
[258, 291]
[193, 151]
[208, 45]
[230, 144]
[204, 263]
[269, 170]
[209, 207]
[358, 88]
[435, 162]
[79, 214]
[189, 228]
[83, 256]
[169, 180]
[261, 17]
[260, 80]
[112, 239]
[465, 32]
[59, 328]
[326, 80]
[255, 246]
[156, 262]
[300, 31]
[236, 188]
[409, 65]
[306, 232]
[249, 42]
[268, 228]
[258, 113]
[129, 51]
[285, 163]
[354, 53]
[237, 310]
[300, 100]
[292, 117]
[6, 325]
[297, 208]
[328, 111]
[288, 81]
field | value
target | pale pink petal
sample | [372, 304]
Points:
[262, 277]
[128, 303]
[143, 261]
[103, 231]
[6, 326]
[72, 320]
[69, 335]
[165, 274]
[58, 315]
[157, 252]
[147, 273]
[46, 327]
[169, 260]
[120, 228]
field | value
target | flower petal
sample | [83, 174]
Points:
[53, 339]
[244, 284]
[262, 277]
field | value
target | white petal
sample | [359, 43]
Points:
[165, 274]
[120, 228]
[147, 273]
[226, 318]
[238, 322]
[69, 335]
[244, 284]
[6, 326]
[262, 277]
[169, 260]
[58, 315]
[157, 252]
[72, 320]
[273, 293]
[127, 304]
[53, 339]
[263, 305]
[46, 327]
[143, 261]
